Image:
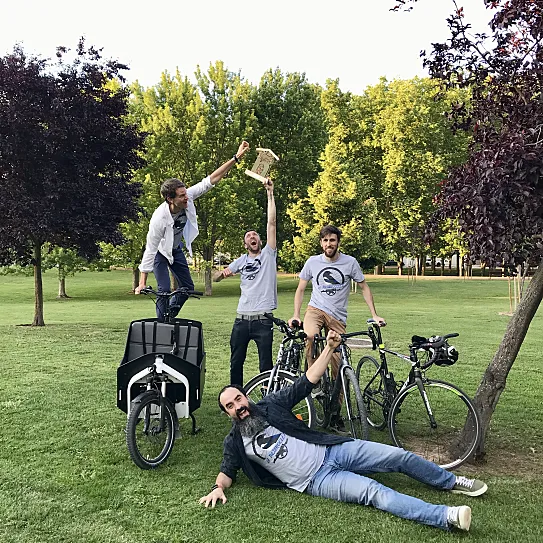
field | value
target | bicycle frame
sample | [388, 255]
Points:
[291, 349]
[416, 374]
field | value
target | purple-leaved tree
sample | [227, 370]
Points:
[66, 156]
[497, 195]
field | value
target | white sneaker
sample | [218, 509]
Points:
[459, 517]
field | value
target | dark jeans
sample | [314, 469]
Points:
[181, 272]
[261, 331]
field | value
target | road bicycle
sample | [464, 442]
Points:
[160, 380]
[329, 392]
[432, 418]
[288, 367]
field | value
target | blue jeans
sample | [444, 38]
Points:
[342, 477]
[243, 331]
[181, 272]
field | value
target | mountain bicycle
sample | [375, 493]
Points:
[287, 368]
[328, 393]
[160, 380]
[432, 418]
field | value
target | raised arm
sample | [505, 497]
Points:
[217, 492]
[271, 230]
[221, 171]
[368, 297]
[316, 371]
[298, 299]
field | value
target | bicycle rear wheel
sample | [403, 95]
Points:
[257, 388]
[321, 401]
[457, 427]
[372, 387]
[357, 418]
[150, 436]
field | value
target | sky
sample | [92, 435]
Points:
[355, 41]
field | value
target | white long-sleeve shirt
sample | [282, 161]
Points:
[160, 235]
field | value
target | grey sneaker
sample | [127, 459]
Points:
[469, 487]
[459, 517]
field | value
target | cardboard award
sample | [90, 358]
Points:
[265, 158]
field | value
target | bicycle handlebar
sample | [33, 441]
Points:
[180, 290]
[296, 332]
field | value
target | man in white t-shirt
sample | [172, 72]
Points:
[330, 274]
[258, 271]
[173, 228]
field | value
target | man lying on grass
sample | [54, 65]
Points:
[277, 450]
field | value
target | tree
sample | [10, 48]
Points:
[418, 149]
[66, 157]
[191, 130]
[291, 122]
[497, 194]
[66, 261]
[342, 193]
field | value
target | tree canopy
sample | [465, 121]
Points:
[67, 155]
[497, 195]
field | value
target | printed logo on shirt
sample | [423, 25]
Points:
[330, 281]
[251, 269]
[270, 448]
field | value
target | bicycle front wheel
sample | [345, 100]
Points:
[257, 388]
[357, 417]
[371, 384]
[452, 437]
[150, 430]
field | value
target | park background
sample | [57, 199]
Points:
[457, 156]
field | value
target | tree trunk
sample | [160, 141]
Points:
[495, 376]
[38, 287]
[62, 288]
[135, 277]
[207, 253]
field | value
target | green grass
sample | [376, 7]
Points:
[65, 471]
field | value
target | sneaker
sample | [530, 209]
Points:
[317, 390]
[337, 425]
[469, 487]
[459, 517]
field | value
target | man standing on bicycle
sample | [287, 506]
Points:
[331, 274]
[173, 228]
[275, 449]
[258, 270]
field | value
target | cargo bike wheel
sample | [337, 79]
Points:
[150, 429]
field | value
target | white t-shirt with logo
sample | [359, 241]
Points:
[258, 281]
[293, 461]
[179, 222]
[331, 283]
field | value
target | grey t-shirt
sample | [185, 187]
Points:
[258, 281]
[293, 461]
[179, 222]
[331, 283]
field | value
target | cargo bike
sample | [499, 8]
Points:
[160, 380]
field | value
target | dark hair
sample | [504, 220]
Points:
[329, 229]
[169, 188]
[237, 387]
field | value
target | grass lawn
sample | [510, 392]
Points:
[65, 471]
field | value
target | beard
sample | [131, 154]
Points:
[254, 250]
[252, 424]
[330, 253]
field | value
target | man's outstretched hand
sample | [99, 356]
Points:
[213, 497]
